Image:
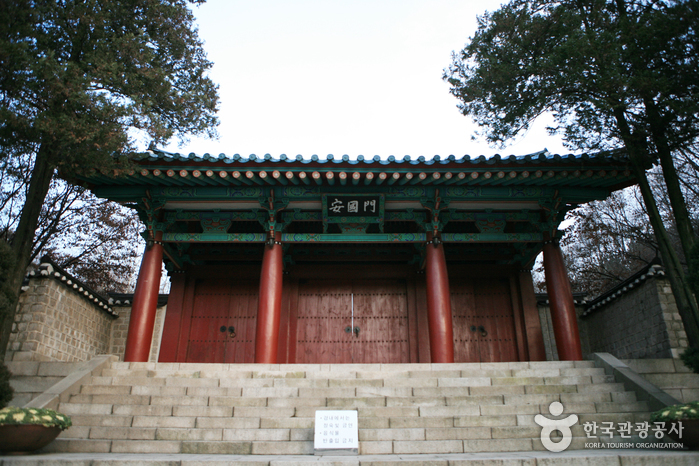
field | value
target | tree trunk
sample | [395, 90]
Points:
[24, 237]
[686, 304]
[672, 181]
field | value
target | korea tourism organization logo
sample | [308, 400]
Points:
[606, 434]
[549, 426]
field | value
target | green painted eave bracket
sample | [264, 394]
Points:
[292, 193]
[492, 237]
[352, 238]
[214, 237]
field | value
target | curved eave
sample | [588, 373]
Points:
[497, 159]
[610, 171]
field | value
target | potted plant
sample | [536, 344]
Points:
[688, 415]
[24, 430]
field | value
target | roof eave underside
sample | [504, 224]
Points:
[609, 171]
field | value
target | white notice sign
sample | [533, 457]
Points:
[336, 430]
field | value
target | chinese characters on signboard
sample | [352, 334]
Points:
[352, 206]
[336, 430]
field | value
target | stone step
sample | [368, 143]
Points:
[297, 442]
[86, 412]
[659, 365]
[254, 367]
[346, 402]
[358, 371]
[40, 368]
[671, 375]
[270, 409]
[349, 387]
[281, 384]
[26, 388]
[279, 434]
[31, 378]
[198, 407]
[674, 380]
[646, 457]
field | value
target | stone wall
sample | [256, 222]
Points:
[120, 329]
[55, 322]
[61, 319]
[547, 325]
[547, 331]
[636, 319]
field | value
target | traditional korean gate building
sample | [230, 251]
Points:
[295, 260]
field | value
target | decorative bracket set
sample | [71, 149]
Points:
[353, 213]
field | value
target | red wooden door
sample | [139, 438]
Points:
[223, 317]
[483, 319]
[324, 311]
[381, 314]
[464, 316]
[328, 333]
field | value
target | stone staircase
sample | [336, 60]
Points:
[671, 375]
[402, 408]
[31, 378]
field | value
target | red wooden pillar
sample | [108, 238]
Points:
[270, 304]
[438, 303]
[145, 303]
[563, 317]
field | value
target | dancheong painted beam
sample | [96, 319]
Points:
[348, 238]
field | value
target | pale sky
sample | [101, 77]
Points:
[343, 77]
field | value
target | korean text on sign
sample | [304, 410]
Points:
[336, 429]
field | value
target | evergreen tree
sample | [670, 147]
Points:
[614, 73]
[81, 80]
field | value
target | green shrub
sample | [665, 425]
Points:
[690, 358]
[38, 416]
[677, 412]
[6, 391]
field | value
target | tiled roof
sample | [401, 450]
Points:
[609, 170]
[544, 156]
[650, 271]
